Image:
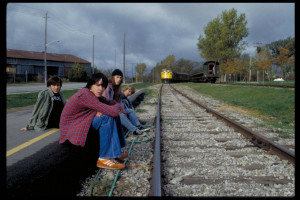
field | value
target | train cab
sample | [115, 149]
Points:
[166, 75]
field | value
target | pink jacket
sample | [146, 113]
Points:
[109, 93]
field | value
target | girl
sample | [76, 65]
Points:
[113, 94]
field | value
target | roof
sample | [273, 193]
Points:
[215, 62]
[13, 53]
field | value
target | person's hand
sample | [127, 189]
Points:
[120, 109]
[98, 114]
[23, 129]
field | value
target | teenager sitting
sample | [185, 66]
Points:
[87, 112]
[130, 120]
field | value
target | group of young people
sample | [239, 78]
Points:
[100, 107]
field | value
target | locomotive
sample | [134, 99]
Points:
[208, 72]
[170, 76]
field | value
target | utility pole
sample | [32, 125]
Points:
[153, 77]
[132, 72]
[124, 60]
[115, 59]
[258, 44]
[45, 52]
[250, 69]
[93, 55]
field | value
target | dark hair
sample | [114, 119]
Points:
[116, 88]
[117, 72]
[54, 80]
[95, 78]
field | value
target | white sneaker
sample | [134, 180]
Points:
[138, 132]
[143, 129]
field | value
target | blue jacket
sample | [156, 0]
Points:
[124, 101]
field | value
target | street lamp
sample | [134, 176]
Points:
[45, 59]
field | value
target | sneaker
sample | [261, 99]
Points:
[122, 157]
[143, 129]
[110, 164]
[138, 132]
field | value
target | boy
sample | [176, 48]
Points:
[130, 121]
[47, 110]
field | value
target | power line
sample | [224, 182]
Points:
[67, 27]
[28, 11]
[58, 22]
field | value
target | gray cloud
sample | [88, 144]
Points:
[153, 30]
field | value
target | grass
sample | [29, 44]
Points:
[289, 83]
[142, 85]
[139, 110]
[275, 106]
[27, 99]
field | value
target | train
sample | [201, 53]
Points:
[208, 72]
[170, 76]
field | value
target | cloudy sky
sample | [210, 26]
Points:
[153, 30]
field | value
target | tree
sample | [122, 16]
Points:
[283, 52]
[107, 72]
[140, 69]
[283, 60]
[234, 66]
[184, 66]
[78, 73]
[169, 61]
[288, 43]
[263, 61]
[223, 37]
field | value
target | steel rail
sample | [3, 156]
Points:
[157, 153]
[256, 138]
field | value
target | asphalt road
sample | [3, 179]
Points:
[45, 167]
[39, 87]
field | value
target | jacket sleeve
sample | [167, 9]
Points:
[36, 110]
[92, 102]
[63, 98]
[130, 103]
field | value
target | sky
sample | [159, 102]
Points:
[152, 31]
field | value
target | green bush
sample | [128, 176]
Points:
[78, 73]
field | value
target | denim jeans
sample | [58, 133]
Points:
[131, 122]
[111, 138]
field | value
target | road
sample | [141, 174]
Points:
[39, 87]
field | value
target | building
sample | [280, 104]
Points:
[29, 66]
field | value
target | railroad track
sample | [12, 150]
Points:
[200, 156]
[203, 156]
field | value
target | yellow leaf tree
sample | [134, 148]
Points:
[264, 61]
[282, 59]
